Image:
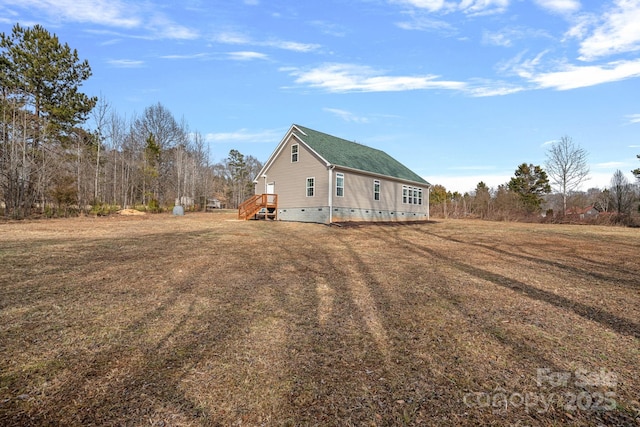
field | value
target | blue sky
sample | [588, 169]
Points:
[459, 91]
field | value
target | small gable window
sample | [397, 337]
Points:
[294, 153]
[311, 186]
[340, 184]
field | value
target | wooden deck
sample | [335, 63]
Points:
[252, 207]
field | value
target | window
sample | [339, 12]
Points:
[340, 184]
[376, 189]
[311, 184]
[294, 153]
[412, 195]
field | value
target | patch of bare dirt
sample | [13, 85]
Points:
[130, 212]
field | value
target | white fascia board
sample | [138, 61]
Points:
[281, 146]
[386, 177]
[275, 153]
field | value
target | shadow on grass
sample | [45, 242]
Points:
[589, 274]
[606, 319]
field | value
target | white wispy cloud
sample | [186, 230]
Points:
[430, 5]
[347, 116]
[338, 78]
[247, 56]
[105, 12]
[480, 88]
[236, 38]
[559, 6]
[581, 26]
[126, 63]
[289, 45]
[618, 32]
[507, 37]
[187, 56]
[421, 23]
[245, 135]
[521, 65]
[497, 38]
[418, 20]
[114, 13]
[232, 37]
[470, 7]
[633, 118]
[483, 7]
[571, 76]
[163, 27]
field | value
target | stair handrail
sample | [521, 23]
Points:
[256, 202]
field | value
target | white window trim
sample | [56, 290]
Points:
[412, 195]
[376, 182]
[339, 175]
[313, 187]
[297, 153]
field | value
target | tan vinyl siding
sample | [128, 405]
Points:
[358, 193]
[290, 179]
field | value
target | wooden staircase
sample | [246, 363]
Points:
[253, 205]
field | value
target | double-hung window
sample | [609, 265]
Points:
[311, 187]
[340, 184]
[376, 189]
[294, 153]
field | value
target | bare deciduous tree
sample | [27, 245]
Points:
[100, 114]
[621, 193]
[567, 167]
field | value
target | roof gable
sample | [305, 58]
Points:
[348, 154]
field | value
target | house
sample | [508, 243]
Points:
[213, 204]
[315, 177]
[583, 213]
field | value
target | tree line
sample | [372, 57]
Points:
[52, 162]
[529, 193]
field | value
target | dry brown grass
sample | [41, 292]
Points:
[200, 320]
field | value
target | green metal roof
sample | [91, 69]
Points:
[348, 154]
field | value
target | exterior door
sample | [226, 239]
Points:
[271, 189]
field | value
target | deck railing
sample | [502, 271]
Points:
[255, 203]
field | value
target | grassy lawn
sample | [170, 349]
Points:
[203, 320]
